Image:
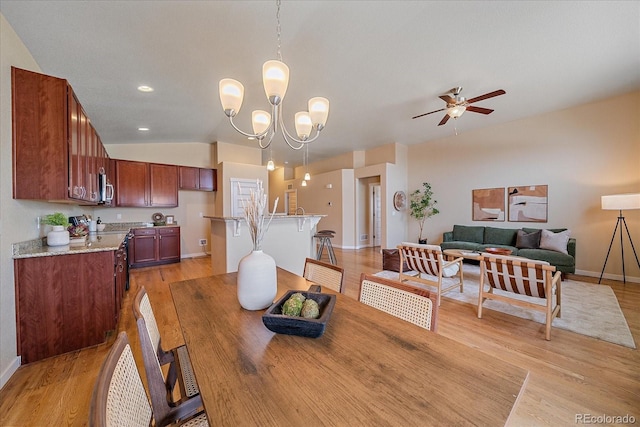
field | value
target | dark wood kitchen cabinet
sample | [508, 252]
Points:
[57, 153]
[154, 246]
[202, 179]
[141, 184]
[64, 302]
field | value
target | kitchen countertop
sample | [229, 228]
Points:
[107, 240]
[95, 242]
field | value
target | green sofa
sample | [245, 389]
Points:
[478, 238]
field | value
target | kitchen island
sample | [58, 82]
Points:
[289, 241]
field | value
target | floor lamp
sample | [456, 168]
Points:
[620, 202]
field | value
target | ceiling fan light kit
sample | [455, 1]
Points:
[457, 105]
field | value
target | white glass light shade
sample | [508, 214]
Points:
[619, 202]
[319, 110]
[260, 120]
[303, 125]
[231, 95]
[457, 111]
[307, 176]
[275, 78]
[271, 166]
[304, 183]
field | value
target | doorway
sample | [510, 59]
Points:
[375, 212]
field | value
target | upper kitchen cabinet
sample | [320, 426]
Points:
[192, 178]
[57, 154]
[141, 184]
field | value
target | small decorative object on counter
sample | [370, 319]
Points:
[158, 219]
[58, 236]
[257, 277]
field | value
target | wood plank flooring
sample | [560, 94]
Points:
[569, 375]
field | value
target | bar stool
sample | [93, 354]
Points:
[324, 237]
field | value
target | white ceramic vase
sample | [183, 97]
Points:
[58, 236]
[257, 281]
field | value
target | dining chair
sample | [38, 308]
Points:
[161, 388]
[415, 305]
[518, 276]
[119, 398]
[432, 269]
[324, 274]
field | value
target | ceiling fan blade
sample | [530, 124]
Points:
[486, 96]
[479, 110]
[447, 99]
[430, 112]
[444, 120]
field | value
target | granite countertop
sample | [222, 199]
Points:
[95, 242]
[109, 239]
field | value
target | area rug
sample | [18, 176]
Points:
[587, 309]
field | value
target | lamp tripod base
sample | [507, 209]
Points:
[620, 223]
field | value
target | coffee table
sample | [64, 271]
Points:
[466, 254]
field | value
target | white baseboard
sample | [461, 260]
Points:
[9, 371]
[618, 277]
[194, 255]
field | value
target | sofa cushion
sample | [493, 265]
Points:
[555, 241]
[500, 236]
[465, 233]
[530, 240]
[554, 258]
[391, 260]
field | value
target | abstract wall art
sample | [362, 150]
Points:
[528, 203]
[488, 204]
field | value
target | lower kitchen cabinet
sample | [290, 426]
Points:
[154, 246]
[64, 302]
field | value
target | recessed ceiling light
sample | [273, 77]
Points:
[141, 129]
[145, 88]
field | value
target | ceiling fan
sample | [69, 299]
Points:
[457, 105]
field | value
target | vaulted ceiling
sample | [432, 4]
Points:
[378, 62]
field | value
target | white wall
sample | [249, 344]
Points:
[581, 153]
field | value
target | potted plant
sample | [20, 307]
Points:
[422, 206]
[58, 236]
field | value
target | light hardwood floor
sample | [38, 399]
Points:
[569, 375]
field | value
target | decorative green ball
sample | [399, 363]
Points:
[310, 309]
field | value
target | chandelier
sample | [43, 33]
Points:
[275, 78]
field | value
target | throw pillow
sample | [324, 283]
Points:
[526, 240]
[555, 241]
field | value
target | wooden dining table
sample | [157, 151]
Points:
[368, 368]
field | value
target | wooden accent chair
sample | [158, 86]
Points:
[119, 398]
[324, 274]
[516, 275]
[415, 305]
[161, 389]
[432, 269]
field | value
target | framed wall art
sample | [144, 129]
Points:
[528, 203]
[488, 204]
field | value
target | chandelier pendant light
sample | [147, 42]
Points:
[275, 78]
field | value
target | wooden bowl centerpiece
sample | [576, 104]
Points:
[499, 251]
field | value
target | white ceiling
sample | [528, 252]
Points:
[378, 62]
